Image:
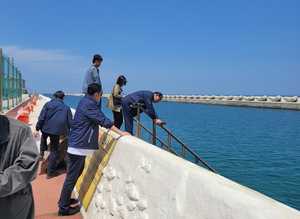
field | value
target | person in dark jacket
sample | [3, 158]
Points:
[83, 141]
[54, 120]
[115, 101]
[146, 99]
[19, 158]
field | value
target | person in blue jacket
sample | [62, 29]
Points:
[92, 74]
[54, 120]
[146, 98]
[83, 140]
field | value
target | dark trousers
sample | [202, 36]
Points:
[19, 205]
[74, 170]
[43, 145]
[118, 118]
[128, 118]
[54, 151]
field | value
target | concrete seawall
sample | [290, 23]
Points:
[145, 182]
[275, 102]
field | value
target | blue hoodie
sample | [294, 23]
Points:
[85, 128]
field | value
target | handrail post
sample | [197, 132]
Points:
[138, 127]
[183, 152]
[169, 141]
[153, 132]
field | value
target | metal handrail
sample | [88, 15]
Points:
[198, 158]
[171, 136]
[162, 143]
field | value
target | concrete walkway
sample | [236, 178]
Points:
[46, 194]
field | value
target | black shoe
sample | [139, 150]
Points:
[74, 201]
[70, 211]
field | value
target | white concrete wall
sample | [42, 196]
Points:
[142, 181]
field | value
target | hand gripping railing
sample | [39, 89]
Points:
[168, 145]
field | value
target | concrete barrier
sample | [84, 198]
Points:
[275, 99]
[229, 98]
[262, 98]
[143, 181]
[290, 99]
[219, 97]
[238, 98]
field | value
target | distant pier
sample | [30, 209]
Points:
[274, 102]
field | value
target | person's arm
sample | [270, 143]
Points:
[149, 109]
[94, 114]
[24, 169]
[98, 117]
[118, 131]
[42, 118]
[70, 118]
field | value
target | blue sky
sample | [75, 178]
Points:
[190, 47]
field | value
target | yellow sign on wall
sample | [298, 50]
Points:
[93, 169]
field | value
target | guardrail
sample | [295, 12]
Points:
[185, 151]
[11, 83]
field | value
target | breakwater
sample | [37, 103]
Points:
[275, 102]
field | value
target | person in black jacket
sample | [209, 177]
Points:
[82, 142]
[146, 99]
[54, 120]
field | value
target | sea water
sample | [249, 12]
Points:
[258, 148]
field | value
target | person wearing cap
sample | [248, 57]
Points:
[19, 159]
[115, 101]
[54, 120]
[83, 141]
[92, 74]
[145, 99]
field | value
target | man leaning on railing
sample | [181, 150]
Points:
[145, 100]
